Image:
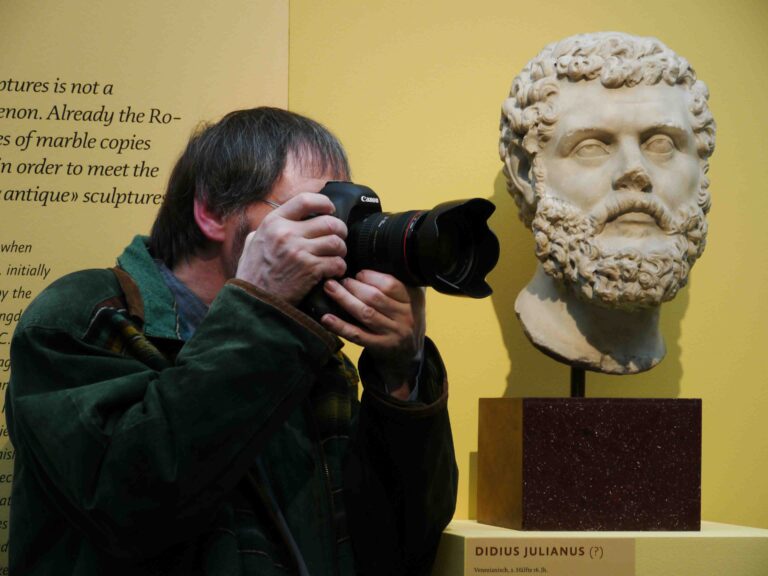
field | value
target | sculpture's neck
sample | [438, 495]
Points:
[581, 334]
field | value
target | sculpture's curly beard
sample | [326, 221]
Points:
[627, 278]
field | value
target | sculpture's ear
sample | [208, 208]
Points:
[518, 164]
[210, 224]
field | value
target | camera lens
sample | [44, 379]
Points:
[384, 242]
[449, 247]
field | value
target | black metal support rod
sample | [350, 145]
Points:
[578, 382]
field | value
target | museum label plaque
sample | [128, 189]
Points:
[552, 556]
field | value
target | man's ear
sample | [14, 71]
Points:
[210, 224]
[518, 164]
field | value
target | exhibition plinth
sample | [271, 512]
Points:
[589, 463]
[468, 548]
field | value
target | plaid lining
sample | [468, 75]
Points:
[333, 413]
[332, 403]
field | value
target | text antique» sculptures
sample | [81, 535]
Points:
[605, 140]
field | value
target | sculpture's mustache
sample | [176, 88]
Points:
[628, 202]
[568, 248]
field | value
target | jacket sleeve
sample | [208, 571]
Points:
[400, 475]
[139, 459]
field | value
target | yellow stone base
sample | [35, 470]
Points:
[469, 548]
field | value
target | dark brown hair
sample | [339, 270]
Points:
[233, 163]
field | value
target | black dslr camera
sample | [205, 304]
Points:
[449, 248]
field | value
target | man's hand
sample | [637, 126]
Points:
[391, 324]
[289, 254]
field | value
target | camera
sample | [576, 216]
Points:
[450, 248]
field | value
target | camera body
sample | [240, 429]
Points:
[353, 202]
[449, 248]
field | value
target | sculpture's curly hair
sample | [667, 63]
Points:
[615, 59]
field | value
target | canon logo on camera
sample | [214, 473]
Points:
[369, 200]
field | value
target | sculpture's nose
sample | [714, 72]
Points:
[636, 178]
[631, 173]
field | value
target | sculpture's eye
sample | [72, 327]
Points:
[590, 149]
[659, 144]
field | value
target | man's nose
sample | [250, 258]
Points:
[631, 173]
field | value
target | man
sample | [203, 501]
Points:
[180, 415]
[605, 140]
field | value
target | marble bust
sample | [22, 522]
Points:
[605, 140]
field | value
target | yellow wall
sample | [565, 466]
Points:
[414, 91]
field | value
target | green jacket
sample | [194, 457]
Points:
[137, 453]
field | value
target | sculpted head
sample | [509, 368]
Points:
[605, 140]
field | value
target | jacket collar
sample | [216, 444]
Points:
[160, 319]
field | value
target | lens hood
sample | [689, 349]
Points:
[456, 248]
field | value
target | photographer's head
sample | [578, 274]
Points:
[230, 165]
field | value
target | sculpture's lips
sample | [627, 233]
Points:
[644, 210]
[634, 218]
